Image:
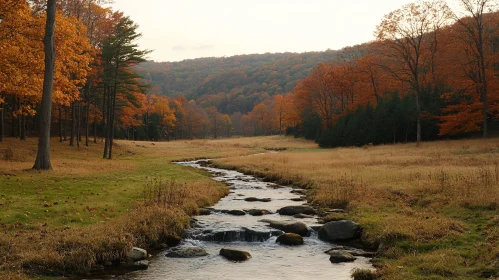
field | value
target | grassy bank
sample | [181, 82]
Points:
[90, 211]
[433, 207]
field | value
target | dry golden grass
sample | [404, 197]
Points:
[407, 196]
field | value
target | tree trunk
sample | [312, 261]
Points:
[111, 124]
[65, 123]
[418, 119]
[42, 161]
[73, 125]
[60, 124]
[87, 123]
[14, 121]
[95, 131]
[78, 121]
[105, 121]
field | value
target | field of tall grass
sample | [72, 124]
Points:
[432, 207]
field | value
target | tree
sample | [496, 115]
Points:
[405, 33]
[474, 27]
[42, 161]
[119, 54]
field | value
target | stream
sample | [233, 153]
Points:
[222, 230]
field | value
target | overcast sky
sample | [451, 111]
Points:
[184, 29]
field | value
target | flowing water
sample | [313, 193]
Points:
[221, 230]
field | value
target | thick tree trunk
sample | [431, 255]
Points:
[42, 161]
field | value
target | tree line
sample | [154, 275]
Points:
[432, 72]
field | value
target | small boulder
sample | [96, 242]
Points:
[204, 212]
[342, 230]
[235, 255]
[236, 212]
[297, 199]
[290, 239]
[289, 227]
[258, 212]
[339, 256]
[140, 265]
[298, 209]
[188, 252]
[136, 254]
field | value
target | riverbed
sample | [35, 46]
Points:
[223, 230]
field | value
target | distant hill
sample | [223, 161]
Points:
[232, 84]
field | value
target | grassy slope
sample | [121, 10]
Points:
[433, 206]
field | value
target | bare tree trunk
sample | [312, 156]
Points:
[42, 161]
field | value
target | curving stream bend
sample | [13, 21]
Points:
[221, 230]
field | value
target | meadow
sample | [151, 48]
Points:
[431, 207]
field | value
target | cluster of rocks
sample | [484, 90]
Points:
[196, 252]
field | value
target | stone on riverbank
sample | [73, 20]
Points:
[339, 256]
[136, 254]
[342, 230]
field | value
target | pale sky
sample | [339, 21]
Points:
[185, 29]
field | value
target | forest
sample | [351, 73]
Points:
[430, 73]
